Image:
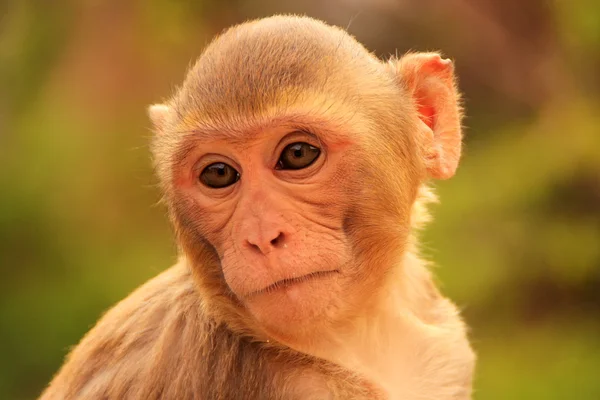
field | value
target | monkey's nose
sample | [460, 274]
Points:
[267, 243]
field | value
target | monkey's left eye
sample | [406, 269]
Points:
[297, 156]
[219, 175]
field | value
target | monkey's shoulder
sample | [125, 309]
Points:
[144, 332]
[157, 343]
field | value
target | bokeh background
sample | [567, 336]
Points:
[516, 236]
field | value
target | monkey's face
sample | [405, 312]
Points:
[277, 207]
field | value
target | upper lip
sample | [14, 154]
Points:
[283, 283]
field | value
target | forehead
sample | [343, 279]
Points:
[348, 126]
[256, 66]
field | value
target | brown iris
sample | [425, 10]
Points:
[297, 156]
[219, 175]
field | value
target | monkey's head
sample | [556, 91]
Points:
[291, 159]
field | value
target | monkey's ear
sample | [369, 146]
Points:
[158, 114]
[430, 81]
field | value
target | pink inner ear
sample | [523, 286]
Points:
[427, 115]
[441, 68]
[430, 78]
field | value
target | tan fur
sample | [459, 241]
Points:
[381, 330]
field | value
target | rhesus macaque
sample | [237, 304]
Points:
[294, 166]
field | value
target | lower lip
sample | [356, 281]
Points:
[291, 286]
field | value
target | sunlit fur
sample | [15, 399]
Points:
[185, 334]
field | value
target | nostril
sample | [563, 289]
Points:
[278, 240]
[265, 247]
[254, 246]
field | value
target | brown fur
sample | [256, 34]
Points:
[188, 334]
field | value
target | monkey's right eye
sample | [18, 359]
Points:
[219, 175]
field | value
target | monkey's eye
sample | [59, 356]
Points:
[219, 175]
[297, 156]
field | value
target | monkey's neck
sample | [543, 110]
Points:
[382, 343]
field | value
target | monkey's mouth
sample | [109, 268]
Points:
[287, 282]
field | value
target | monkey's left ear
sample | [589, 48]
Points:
[158, 114]
[429, 79]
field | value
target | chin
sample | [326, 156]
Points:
[297, 311]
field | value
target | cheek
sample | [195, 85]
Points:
[211, 220]
[328, 248]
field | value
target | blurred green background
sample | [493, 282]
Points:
[516, 237]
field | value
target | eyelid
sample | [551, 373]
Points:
[213, 158]
[299, 135]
